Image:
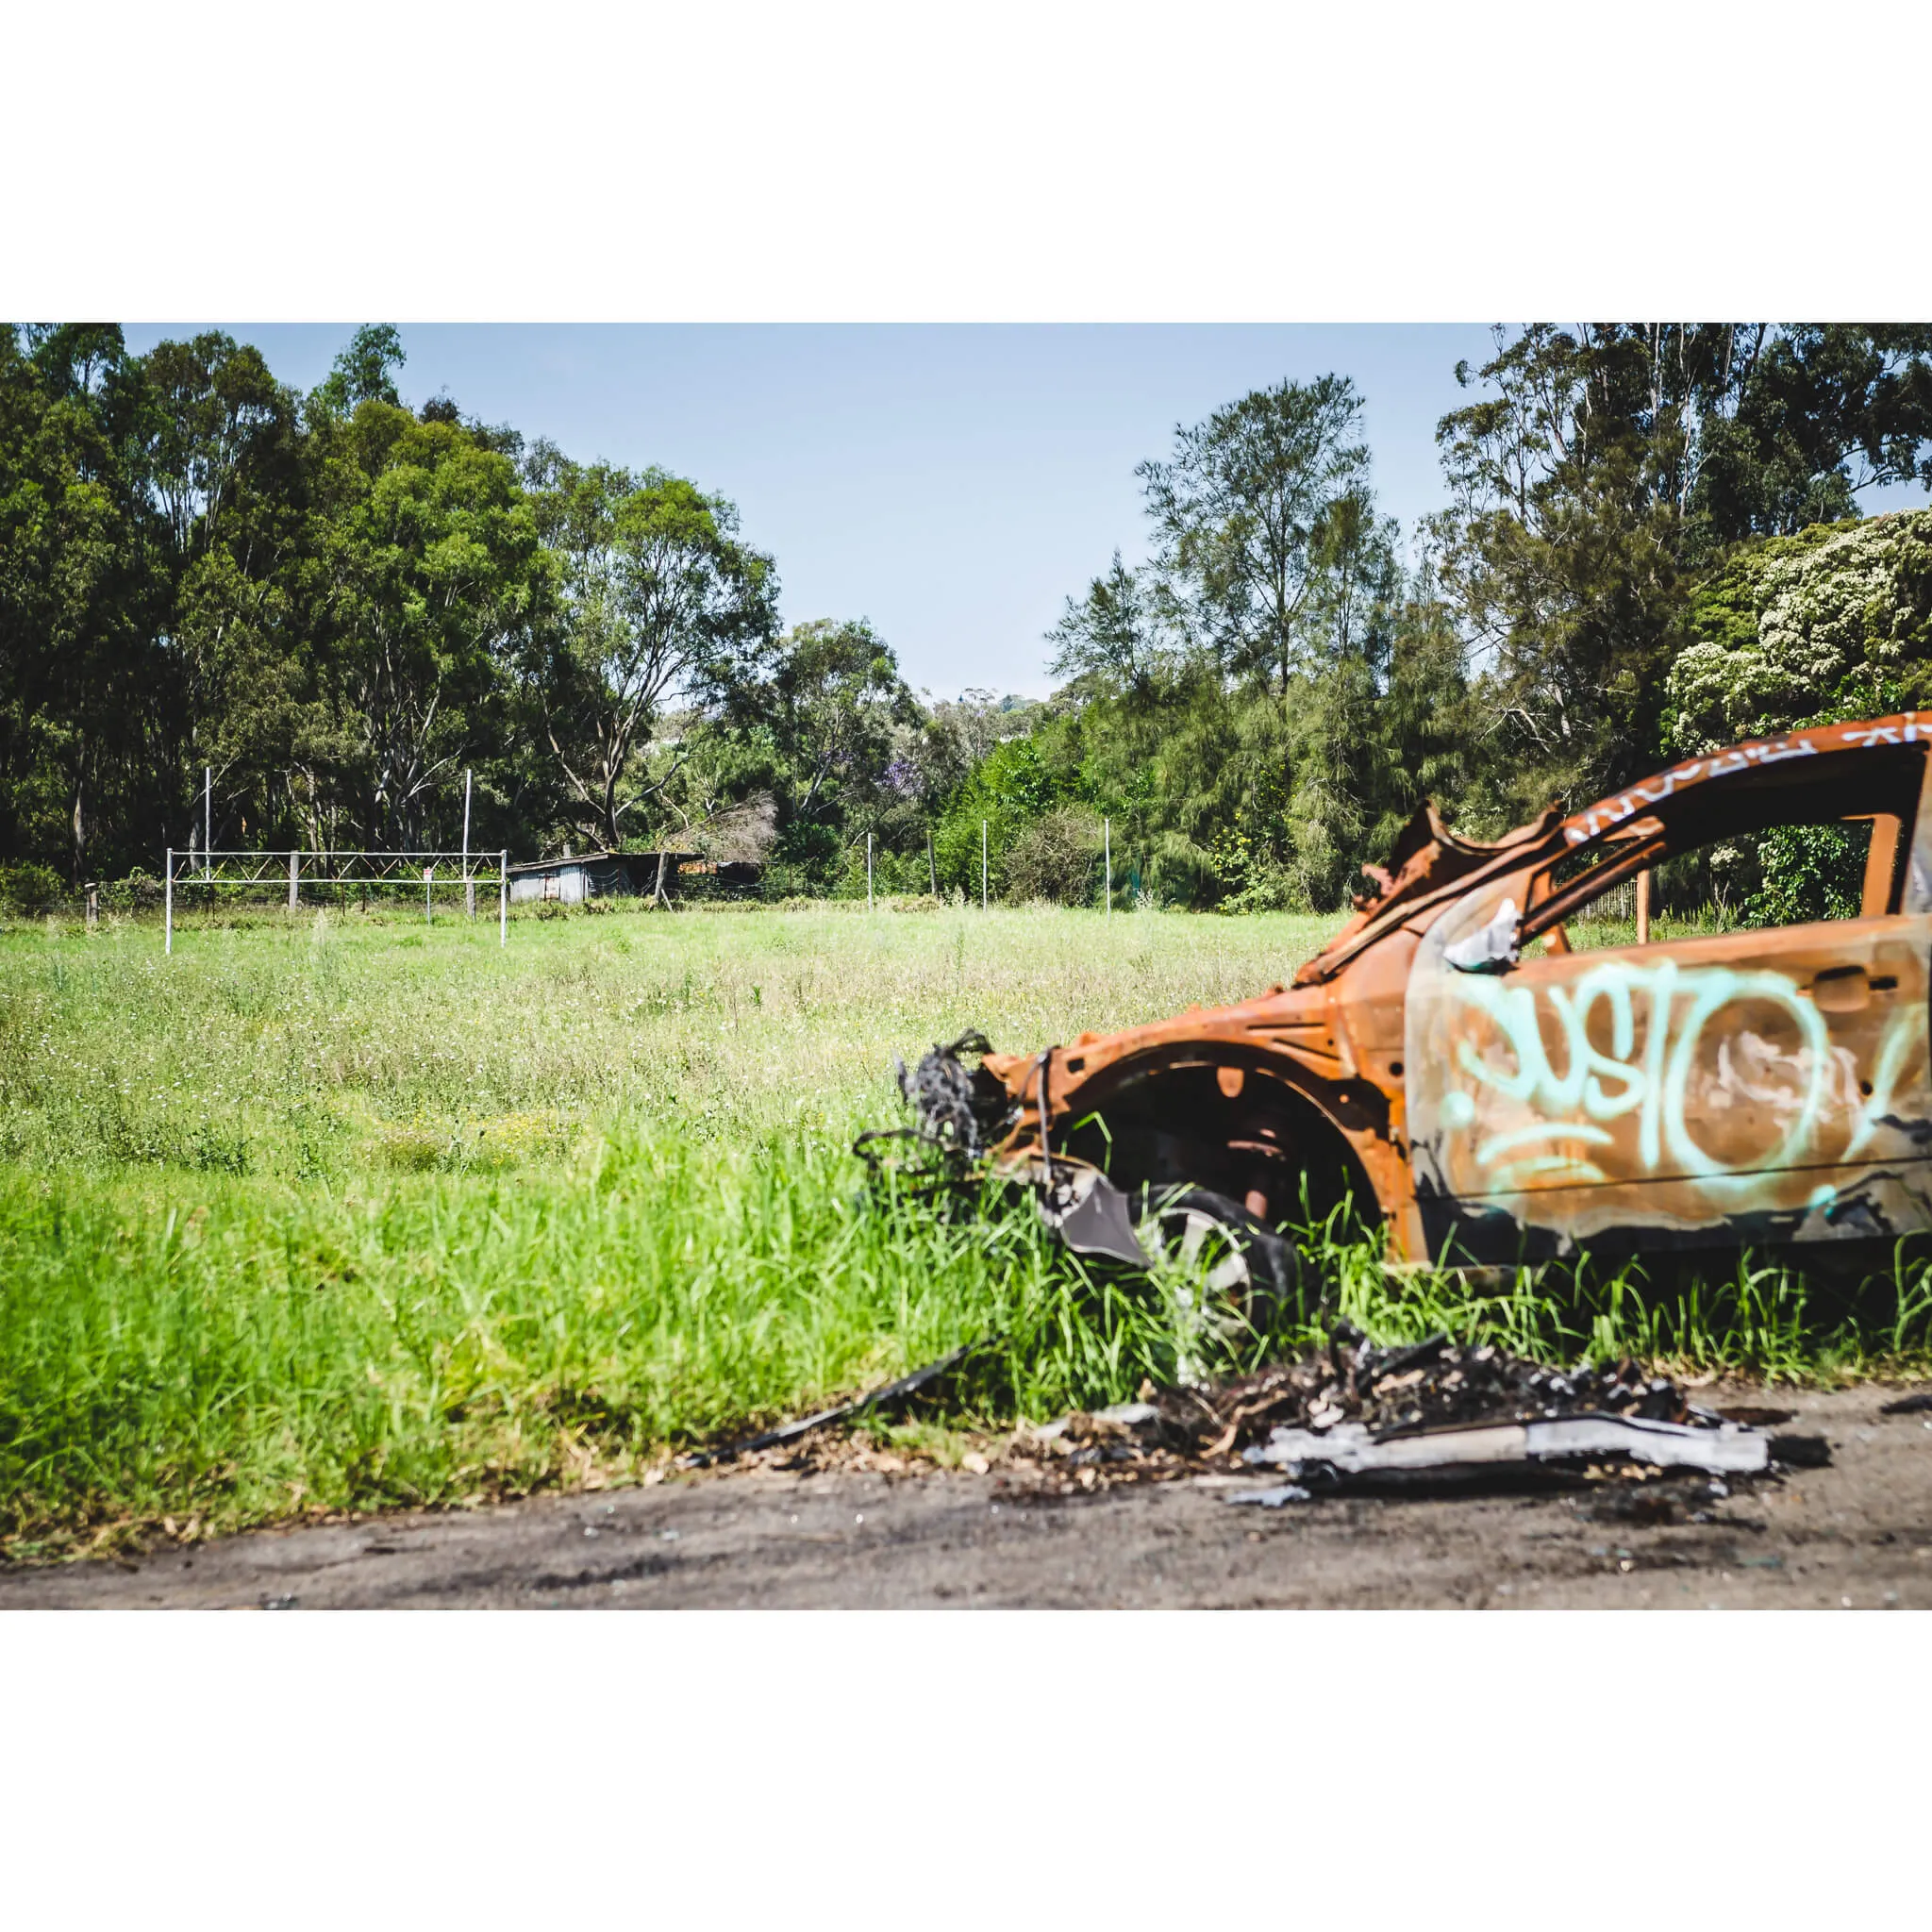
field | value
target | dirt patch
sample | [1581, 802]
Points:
[1857, 1533]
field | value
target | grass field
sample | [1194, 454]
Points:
[347, 1211]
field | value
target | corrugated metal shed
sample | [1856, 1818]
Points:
[590, 876]
[617, 874]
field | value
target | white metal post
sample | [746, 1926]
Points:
[1107, 840]
[207, 820]
[295, 874]
[868, 872]
[503, 899]
[982, 865]
[469, 883]
[168, 869]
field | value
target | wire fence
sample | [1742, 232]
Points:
[198, 887]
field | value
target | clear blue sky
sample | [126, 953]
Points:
[953, 484]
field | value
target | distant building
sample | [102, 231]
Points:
[618, 876]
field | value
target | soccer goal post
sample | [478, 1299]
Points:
[326, 877]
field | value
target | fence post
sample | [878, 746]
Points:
[1106, 842]
[982, 865]
[932, 870]
[295, 874]
[503, 899]
[868, 872]
[207, 820]
[94, 907]
[1644, 907]
[168, 872]
[469, 883]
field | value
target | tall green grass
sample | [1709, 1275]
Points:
[343, 1214]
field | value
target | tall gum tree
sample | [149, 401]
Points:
[1238, 510]
[1605, 469]
[830, 702]
[84, 585]
[664, 609]
[227, 470]
[429, 578]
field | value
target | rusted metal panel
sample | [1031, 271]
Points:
[1777, 1082]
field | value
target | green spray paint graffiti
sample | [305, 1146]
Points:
[1582, 1087]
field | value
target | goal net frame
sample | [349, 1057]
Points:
[338, 872]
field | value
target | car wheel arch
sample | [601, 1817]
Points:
[1238, 1121]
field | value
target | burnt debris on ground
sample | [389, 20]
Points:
[1350, 1418]
[889, 1400]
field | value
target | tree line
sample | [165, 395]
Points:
[338, 605]
[1653, 544]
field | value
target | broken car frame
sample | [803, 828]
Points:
[1499, 1100]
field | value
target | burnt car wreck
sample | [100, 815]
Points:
[1463, 1066]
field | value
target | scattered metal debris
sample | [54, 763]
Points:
[1439, 1417]
[1436, 1416]
[1914, 1404]
[1348, 1457]
[1356, 1419]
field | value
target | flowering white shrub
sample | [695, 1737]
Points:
[1834, 622]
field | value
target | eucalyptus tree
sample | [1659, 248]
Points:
[1245, 518]
[84, 592]
[834, 708]
[426, 581]
[225, 462]
[663, 611]
[1602, 472]
[1111, 636]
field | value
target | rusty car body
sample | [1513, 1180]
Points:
[1495, 1094]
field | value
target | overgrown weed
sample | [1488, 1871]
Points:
[300, 1220]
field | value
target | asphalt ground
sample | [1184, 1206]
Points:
[1855, 1535]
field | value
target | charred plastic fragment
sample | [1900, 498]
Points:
[1915, 1404]
[886, 1400]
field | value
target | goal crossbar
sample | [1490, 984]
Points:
[337, 868]
[338, 871]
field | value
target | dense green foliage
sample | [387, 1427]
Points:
[1600, 478]
[339, 605]
[1834, 622]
